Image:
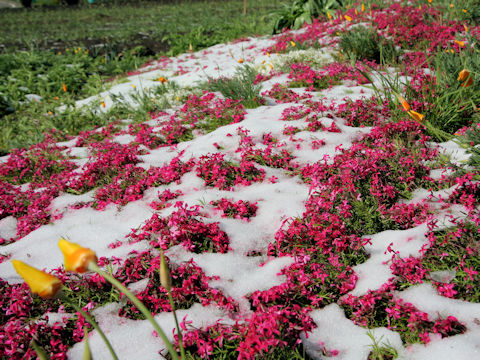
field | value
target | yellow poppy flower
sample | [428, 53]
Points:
[41, 283]
[293, 43]
[348, 18]
[76, 257]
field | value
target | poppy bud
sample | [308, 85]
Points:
[41, 283]
[76, 257]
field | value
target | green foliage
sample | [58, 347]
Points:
[142, 102]
[453, 247]
[115, 27]
[463, 11]
[363, 43]
[321, 83]
[472, 140]
[228, 350]
[448, 105]
[118, 37]
[294, 15]
[44, 73]
[381, 351]
[241, 87]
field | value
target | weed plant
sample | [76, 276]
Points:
[241, 87]
[380, 350]
[366, 44]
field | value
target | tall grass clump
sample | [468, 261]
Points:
[449, 99]
[366, 44]
[240, 87]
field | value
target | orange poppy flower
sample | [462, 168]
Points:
[64, 87]
[40, 283]
[162, 79]
[76, 257]
[416, 116]
[404, 102]
[467, 83]
[463, 75]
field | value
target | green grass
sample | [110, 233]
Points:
[239, 87]
[98, 43]
[365, 44]
[116, 27]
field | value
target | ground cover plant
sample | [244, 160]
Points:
[308, 195]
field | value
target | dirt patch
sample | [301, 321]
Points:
[145, 44]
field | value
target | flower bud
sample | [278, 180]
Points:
[40, 283]
[165, 278]
[417, 116]
[76, 257]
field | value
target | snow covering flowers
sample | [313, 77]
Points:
[204, 199]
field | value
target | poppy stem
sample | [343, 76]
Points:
[180, 337]
[94, 267]
[92, 322]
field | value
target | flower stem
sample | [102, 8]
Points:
[91, 321]
[180, 338]
[42, 355]
[94, 267]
